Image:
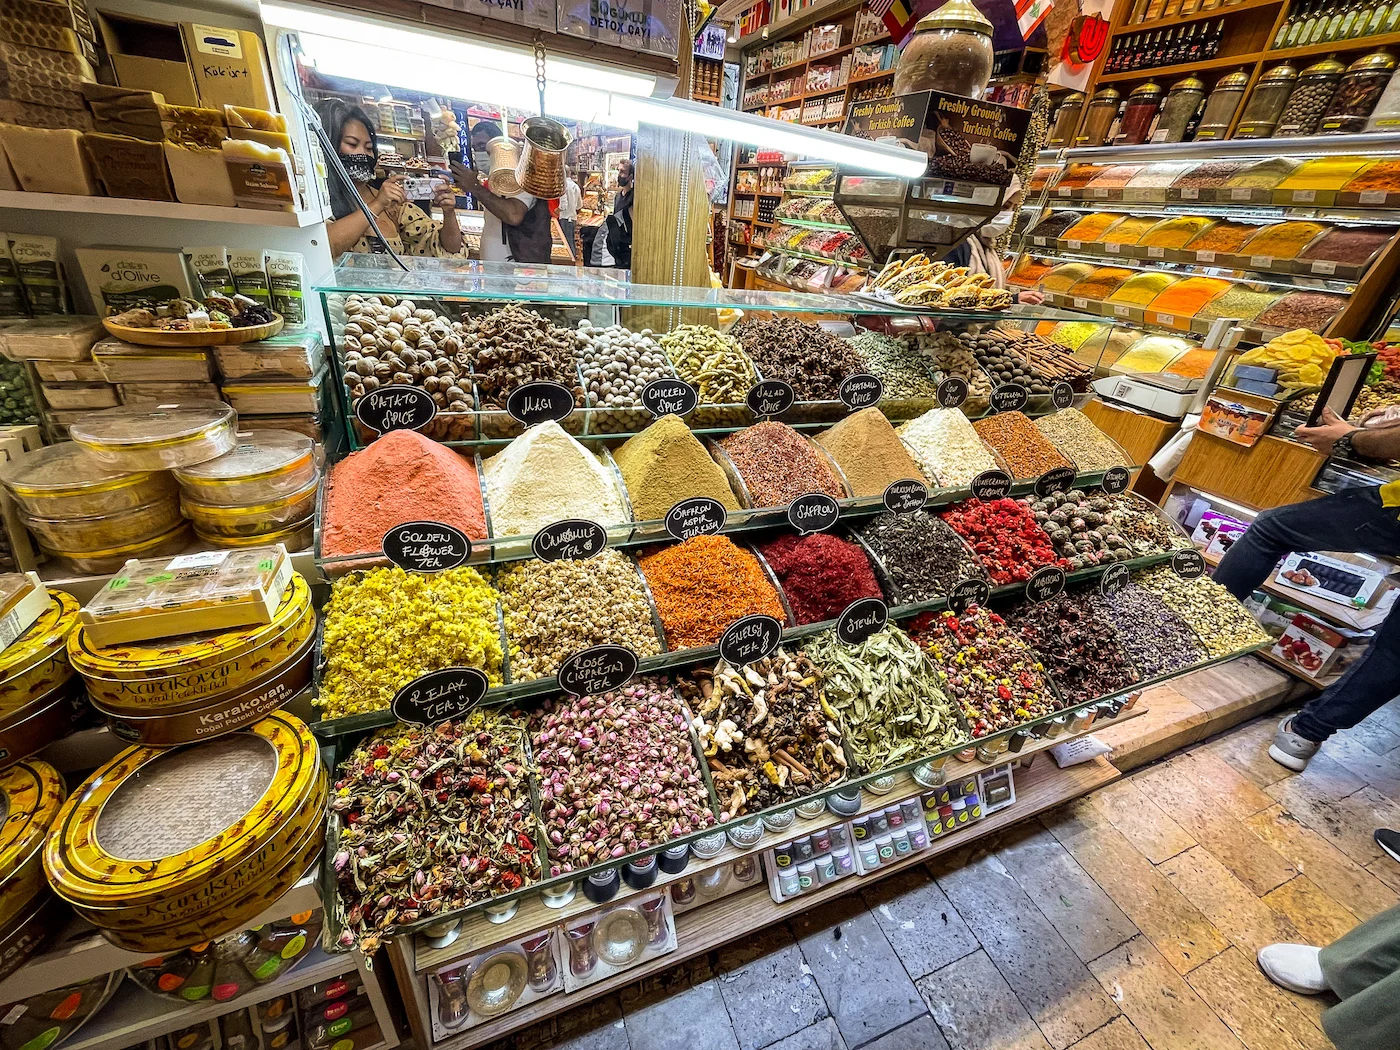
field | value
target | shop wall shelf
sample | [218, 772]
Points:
[1182, 69]
[1213, 14]
[1322, 50]
[126, 206]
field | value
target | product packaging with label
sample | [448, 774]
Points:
[211, 270]
[40, 272]
[120, 279]
[284, 280]
[250, 274]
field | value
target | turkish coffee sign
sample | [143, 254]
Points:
[883, 119]
[652, 26]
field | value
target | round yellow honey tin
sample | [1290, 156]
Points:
[32, 793]
[36, 662]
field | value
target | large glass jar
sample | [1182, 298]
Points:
[1386, 115]
[1221, 107]
[950, 50]
[1361, 88]
[1066, 120]
[1099, 117]
[1266, 104]
[1183, 100]
[1141, 111]
[1310, 99]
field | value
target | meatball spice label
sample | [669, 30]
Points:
[533, 403]
[396, 408]
[813, 512]
[426, 546]
[861, 390]
[669, 397]
[906, 496]
[1045, 584]
[750, 638]
[439, 696]
[601, 669]
[1115, 480]
[771, 397]
[862, 618]
[570, 538]
[991, 484]
[952, 392]
[1188, 564]
[969, 592]
[1056, 479]
[698, 516]
[1114, 579]
[1009, 397]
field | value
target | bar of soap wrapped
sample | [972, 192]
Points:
[129, 167]
[261, 175]
[200, 175]
[255, 119]
[48, 160]
[41, 76]
[191, 126]
[125, 111]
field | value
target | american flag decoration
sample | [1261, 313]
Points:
[1030, 13]
[898, 16]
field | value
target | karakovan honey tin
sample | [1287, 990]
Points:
[36, 662]
[32, 795]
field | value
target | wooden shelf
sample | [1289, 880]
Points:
[1361, 43]
[1185, 68]
[1195, 16]
[871, 76]
[129, 206]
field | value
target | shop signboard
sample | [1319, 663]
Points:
[650, 26]
[537, 14]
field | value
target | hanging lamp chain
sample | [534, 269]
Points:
[539, 68]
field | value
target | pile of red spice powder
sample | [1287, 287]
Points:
[821, 574]
[403, 476]
[1005, 536]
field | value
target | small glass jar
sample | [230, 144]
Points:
[1221, 107]
[1361, 88]
[1066, 120]
[950, 50]
[1265, 106]
[1143, 103]
[1310, 98]
[1098, 120]
[1182, 102]
[1386, 115]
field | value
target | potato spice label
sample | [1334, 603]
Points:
[396, 408]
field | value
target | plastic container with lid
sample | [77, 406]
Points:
[1266, 104]
[276, 397]
[295, 537]
[1141, 110]
[110, 559]
[183, 366]
[264, 465]
[1098, 120]
[1182, 102]
[1310, 98]
[63, 481]
[142, 437]
[950, 50]
[102, 531]
[1066, 120]
[1221, 107]
[1386, 115]
[253, 519]
[1358, 93]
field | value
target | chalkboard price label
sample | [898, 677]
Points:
[771, 397]
[1045, 584]
[1009, 397]
[991, 484]
[396, 408]
[861, 391]
[813, 512]
[905, 496]
[539, 402]
[750, 638]
[968, 592]
[698, 516]
[440, 695]
[669, 397]
[600, 669]
[862, 618]
[952, 392]
[1056, 479]
[1062, 395]
[426, 546]
[1114, 579]
[1115, 479]
[572, 538]
[1188, 564]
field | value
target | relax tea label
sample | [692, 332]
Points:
[905, 496]
[539, 402]
[396, 408]
[600, 669]
[571, 538]
[771, 397]
[669, 397]
[697, 516]
[426, 546]
[813, 512]
[440, 696]
[750, 638]
[862, 618]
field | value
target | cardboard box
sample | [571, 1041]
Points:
[1316, 648]
[229, 66]
[150, 56]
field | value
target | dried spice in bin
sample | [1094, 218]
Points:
[1221, 623]
[820, 574]
[805, 355]
[703, 585]
[1025, 450]
[777, 464]
[922, 558]
[1080, 651]
[1158, 641]
[1005, 536]
[1075, 435]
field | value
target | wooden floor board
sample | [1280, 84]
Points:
[1228, 903]
[1144, 824]
[1319, 918]
[1261, 1014]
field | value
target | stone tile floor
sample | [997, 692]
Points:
[1127, 920]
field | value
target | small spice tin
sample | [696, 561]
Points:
[32, 793]
[558, 896]
[36, 663]
[144, 437]
[788, 884]
[844, 803]
[602, 885]
[707, 846]
[802, 849]
[265, 465]
[501, 911]
[673, 859]
[746, 833]
[63, 481]
[639, 874]
[252, 519]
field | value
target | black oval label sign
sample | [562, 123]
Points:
[426, 546]
[1188, 564]
[698, 516]
[1115, 479]
[1062, 395]
[1114, 579]
[1045, 584]
[862, 618]
[991, 484]
[440, 695]
[600, 669]
[533, 403]
[669, 397]
[861, 390]
[905, 496]
[952, 392]
[1009, 397]
[771, 397]
[571, 538]
[750, 638]
[813, 512]
[396, 408]
[1057, 479]
[968, 592]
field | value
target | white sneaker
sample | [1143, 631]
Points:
[1297, 967]
[1291, 750]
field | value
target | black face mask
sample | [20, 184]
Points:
[359, 166]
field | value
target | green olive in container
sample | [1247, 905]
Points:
[253, 519]
[63, 481]
[265, 465]
[158, 437]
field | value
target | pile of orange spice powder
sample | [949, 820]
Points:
[703, 585]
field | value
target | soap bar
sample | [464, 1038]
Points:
[261, 175]
[127, 105]
[129, 167]
[200, 175]
[32, 115]
[48, 160]
[1256, 373]
[191, 126]
[8, 181]
[38, 34]
[52, 13]
[48, 78]
[254, 119]
[271, 139]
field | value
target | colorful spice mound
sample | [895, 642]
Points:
[1074, 434]
[1026, 451]
[951, 358]
[1187, 296]
[512, 346]
[1005, 537]
[1313, 310]
[1221, 623]
[1240, 301]
[710, 361]
[1079, 650]
[778, 464]
[1090, 226]
[1225, 236]
[1086, 529]
[1065, 276]
[1101, 283]
[1175, 232]
[544, 476]
[988, 670]
[1194, 364]
[1130, 229]
[1143, 288]
[401, 477]
[665, 464]
[949, 450]
[1055, 224]
[432, 820]
[869, 452]
[806, 355]
[820, 574]
[1283, 240]
[1352, 245]
[386, 627]
[890, 698]
[703, 585]
[922, 557]
[617, 774]
[766, 730]
[1158, 640]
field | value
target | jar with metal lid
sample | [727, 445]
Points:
[1361, 88]
[1310, 98]
[1221, 107]
[1066, 120]
[1386, 115]
[950, 50]
[1098, 119]
[1183, 100]
[1265, 106]
[1143, 103]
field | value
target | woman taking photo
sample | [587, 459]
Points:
[406, 229]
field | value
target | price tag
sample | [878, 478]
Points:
[426, 546]
[1058, 479]
[1113, 248]
[1074, 246]
[1324, 266]
[861, 390]
[862, 618]
[396, 408]
[1190, 194]
[1081, 303]
[1100, 192]
[813, 512]
[572, 538]
[1205, 257]
[750, 638]
[440, 695]
[1062, 395]
[1155, 252]
[968, 592]
[1188, 564]
[1009, 397]
[905, 496]
[1045, 584]
[991, 484]
[1166, 319]
[952, 392]
[1063, 191]
[600, 669]
[1371, 197]
[770, 397]
[669, 397]
[1121, 311]
[1115, 479]
[1304, 196]
[1240, 193]
[1261, 262]
[1039, 242]
[697, 516]
[1114, 579]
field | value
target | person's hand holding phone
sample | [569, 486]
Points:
[390, 197]
[444, 195]
[467, 179]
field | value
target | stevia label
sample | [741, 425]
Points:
[1155, 253]
[571, 538]
[1058, 479]
[905, 496]
[1114, 579]
[698, 516]
[440, 695]
[539, 402]
[862, 618]
[1115, 479]
[669, 397]
[1062, 395]
[426, 546]
[991, 484]
[1188, 564]
[600, 669]
[396, 408]
[813, 512]
[750, 638]
[952, 392]
[1045, 584]
[861, 390]
[1009, 397]
[1205, 257]
[770, 397]
[968, 592]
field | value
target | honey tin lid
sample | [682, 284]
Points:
[134, 427]
[30, 794]
[159, 656]
[155, 821]
[64, 470]
[259, 454]
[44, 638]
